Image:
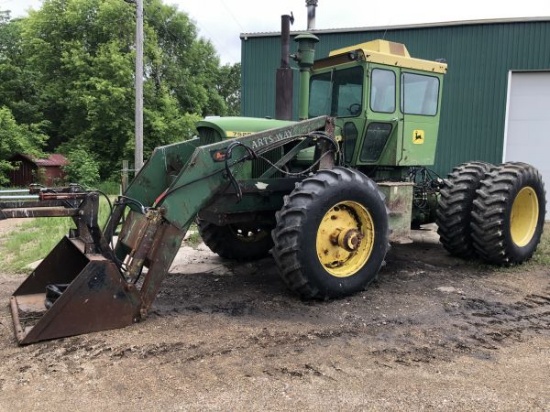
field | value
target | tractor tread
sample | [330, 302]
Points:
[453, 213]
[290, 222]
[223, 241]
[491, 213]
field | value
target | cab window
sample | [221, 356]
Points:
[382, 94]
[419, 94]
[338, 93]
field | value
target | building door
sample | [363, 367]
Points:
[527, 132]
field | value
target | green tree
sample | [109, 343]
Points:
[68, 71]
[18, 87]
[15, 138]
[229, 87]
[82, 50]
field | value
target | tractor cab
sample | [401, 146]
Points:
[387, 104]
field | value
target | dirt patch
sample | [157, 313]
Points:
[432, 333]
[9, 225]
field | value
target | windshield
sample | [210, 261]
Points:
[337, 93]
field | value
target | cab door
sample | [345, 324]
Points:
[420, 107]
[382, 117]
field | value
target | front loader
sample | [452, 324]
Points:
[91, 281]
[324, 196]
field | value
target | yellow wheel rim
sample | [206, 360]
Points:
[524, 216]
[345, 238]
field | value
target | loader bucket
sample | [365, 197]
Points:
[86, 293]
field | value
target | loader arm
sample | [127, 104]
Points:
[175, 171]
[78, 290]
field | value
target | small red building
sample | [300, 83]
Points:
[48, 172]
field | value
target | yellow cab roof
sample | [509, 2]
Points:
[392, 54]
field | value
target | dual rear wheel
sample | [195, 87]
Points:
[495, 213]
[331, 235]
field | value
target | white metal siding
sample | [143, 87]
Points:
[527, 132]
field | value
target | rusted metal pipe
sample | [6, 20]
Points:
[39, 212]
[286, 21]
[62, 196]
[284, 77]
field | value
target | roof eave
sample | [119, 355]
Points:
[245, 36]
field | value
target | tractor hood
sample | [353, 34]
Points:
[213, 129]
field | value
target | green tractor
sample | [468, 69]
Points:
[324, 196]
[330, 233]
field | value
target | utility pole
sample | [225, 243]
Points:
[138, 155]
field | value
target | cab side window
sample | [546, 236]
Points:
[419, 94]
[382, 95]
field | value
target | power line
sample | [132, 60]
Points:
[232, 15]
[213, 38]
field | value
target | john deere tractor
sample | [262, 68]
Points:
[324, 196]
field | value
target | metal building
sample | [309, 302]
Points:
[496, 98]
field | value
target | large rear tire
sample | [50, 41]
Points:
[508, 214]
[331, 235]
[453, 215]
[244, 241]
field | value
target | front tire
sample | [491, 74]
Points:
[508, 214]
[331, 235]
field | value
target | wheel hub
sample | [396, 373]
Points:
[345, 238]
[348, 239]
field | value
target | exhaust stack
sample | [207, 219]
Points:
[284, 79]
[311, 6]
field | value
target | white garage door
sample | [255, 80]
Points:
[527, 130]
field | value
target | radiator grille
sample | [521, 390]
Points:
[208, 136]
[260, 166]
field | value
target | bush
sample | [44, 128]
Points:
[82, 168]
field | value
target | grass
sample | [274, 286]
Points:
[35, 238]
[109, 187]
[32, 241]
[194, 239]
[542, 255]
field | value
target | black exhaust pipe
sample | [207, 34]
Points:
[284, 79]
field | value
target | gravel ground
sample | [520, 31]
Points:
[432, 333]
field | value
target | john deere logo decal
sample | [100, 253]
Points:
[418, 136]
